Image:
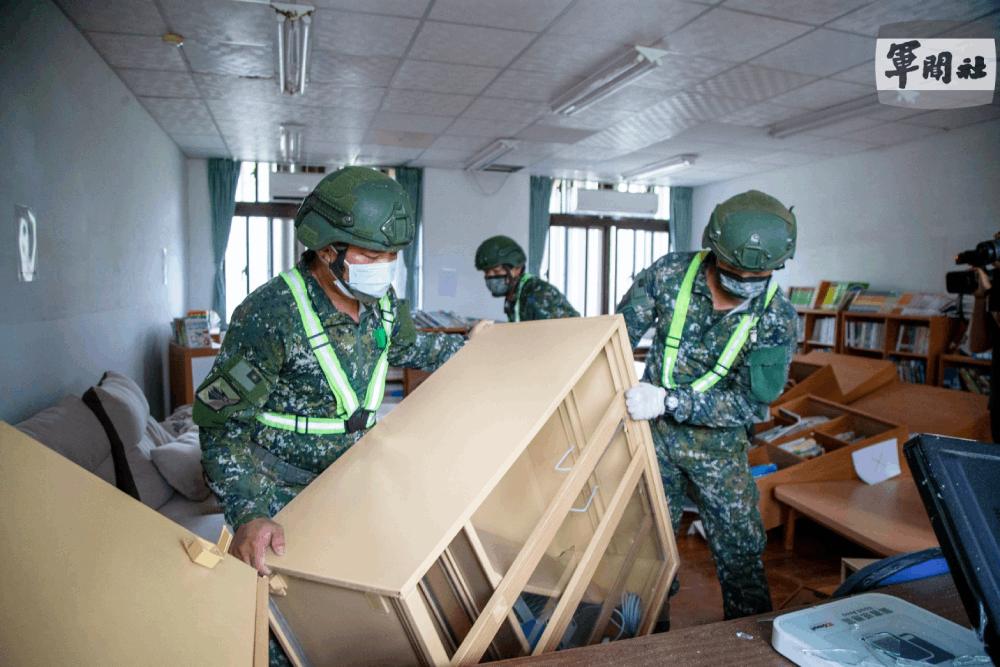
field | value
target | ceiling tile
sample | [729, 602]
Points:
[452, 155]
[363, 34]
[213, 22]
[760, 115]
[551, 134]
[845, 127]
[892, 133]
[443, 77]
[533, 15]
[815, 12]
[821, 52]
[951, 118]
[590, 153]
[787, 158]
[822, 94]
[886, 112]
[568, 56]
[413, 8]
[450, 142]
[863, 74]
[834, 147]
[493, 108]
[590, 119]
[753, 83]
[633, 98]
[626, 21]
[735, 36]
[328, 67]
[982, 28]
[201, 144]
[180, 116]
[137, 17]
[137, 51]
[370, 154]
[231, 59]
[474, 127]
[527, 85]
[418, 101]
[677, 71]
[156, 83]
[410, 122]
[644, 128]
[868, 19]
[249, 113]
[217, 86]
[468, 45]
[399, 138]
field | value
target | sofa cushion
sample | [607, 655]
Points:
[157, 433]
[204, 518]
[71, 429]
[180, 464]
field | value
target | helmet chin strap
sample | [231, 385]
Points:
[337, 269]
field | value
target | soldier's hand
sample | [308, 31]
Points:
[645, 401]
[252, 540]
[479, 327]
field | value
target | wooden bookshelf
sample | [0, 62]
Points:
[960, 361]
[938, 332]
[811, 340]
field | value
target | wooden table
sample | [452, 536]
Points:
[857, 376]
[719, 643]
[924, 409]
[889, 518]
[188, 367]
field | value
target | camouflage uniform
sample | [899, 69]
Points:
[704, 440]
[539, 301]
[247, 463]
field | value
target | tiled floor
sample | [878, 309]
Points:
[815, 564]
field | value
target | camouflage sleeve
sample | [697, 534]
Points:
[227, 402]
[547, 303]
[418, 349]
[638, 307]
[746, 393]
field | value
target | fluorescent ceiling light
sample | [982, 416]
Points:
[661, 168]
[491, 154]
[292, 49]
[290, 145]
[627, 68]
[823, 117]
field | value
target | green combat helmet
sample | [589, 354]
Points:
[498, 250]
[357, 206]
[751, 231]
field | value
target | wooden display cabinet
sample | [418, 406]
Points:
[835, 464]
[503, 510]
[811, 340]
[93, 577]
[937, 328]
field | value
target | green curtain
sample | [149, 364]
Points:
[680, 219]
[223, 174]
[412, 180]
[538, 222]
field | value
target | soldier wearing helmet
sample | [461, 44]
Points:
[724, 338]
[302, 369]
[526, 297]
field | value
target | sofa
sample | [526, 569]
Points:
[163, 458]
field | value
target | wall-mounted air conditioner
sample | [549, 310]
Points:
[614, 203]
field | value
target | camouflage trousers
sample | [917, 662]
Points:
[715, 463]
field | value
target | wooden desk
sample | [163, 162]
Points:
[718, 643]
[924, 409]
[889, 518]
[188, 368]
[857, 376]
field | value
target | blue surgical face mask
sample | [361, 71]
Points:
[743, 287]
[370, 282]
[498, 285]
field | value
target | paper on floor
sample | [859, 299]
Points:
[877, 463]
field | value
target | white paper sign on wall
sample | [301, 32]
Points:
[27, 243]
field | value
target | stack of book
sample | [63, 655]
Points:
[825, 330]
[873, 301]
[976, 380]
[192, 330]
[912, 370]
[801, 297]
[865, 335]
[921, 303]
[913, 338]
[835, 295]
[440, 319]
[805, 448]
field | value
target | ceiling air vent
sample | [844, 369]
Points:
[503, 168]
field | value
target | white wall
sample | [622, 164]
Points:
[461, 210]
[893, 217]
[108, 189]
[200, 264]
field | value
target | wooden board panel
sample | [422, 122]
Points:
[924, 409]
[93, 577]
[436, 456]
[857, 376]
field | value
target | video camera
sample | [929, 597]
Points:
[965, 282]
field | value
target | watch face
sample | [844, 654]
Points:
[672, 402]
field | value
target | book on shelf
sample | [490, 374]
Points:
[873, 301]
[801, 297]
[912, 370]
[192, 330]
[824, 330]
[913, 338]
[923, 303]
[801, 328]
[865, 335]
[835, 295]
[974, 379]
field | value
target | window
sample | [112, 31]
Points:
[261, 239]
[594, 259]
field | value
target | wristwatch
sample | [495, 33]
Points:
[672, 402]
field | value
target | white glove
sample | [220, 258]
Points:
[645, 401]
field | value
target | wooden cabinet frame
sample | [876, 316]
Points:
[459, 603]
